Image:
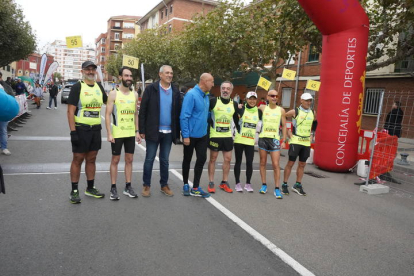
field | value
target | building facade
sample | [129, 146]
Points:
[175, 13]
[30, 66]
[70, 59]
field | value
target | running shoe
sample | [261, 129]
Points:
[114, 194]
[130, 192]
[186, 190]
[211, 188]
[199, 192]
[225, 187]
[263, 189]
[285, 190]
[94, 193]
[248, 187]
[74, 197]
[298, 189]
[238, 187]
[278, 194]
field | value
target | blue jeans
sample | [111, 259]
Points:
[165, 143]
[52, 99]
[3, 134]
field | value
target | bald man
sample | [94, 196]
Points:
[193, 120]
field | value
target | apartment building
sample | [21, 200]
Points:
[70, 59]
[175, 13]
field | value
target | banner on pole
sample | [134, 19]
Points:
[129, 61]
[99, 70]
[142, 77]
[42, 68]
[264, 83]
[288, 74]
[313, 85]
[74, 41]
[51, 70]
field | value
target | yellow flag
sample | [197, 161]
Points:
[74, 41]
[288, 74]
[264, 83]
[313, 85]
[129, 61]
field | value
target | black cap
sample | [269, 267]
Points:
[88, 63]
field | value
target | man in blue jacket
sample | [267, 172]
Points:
[193, 121]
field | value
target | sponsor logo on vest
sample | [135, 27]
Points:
[248, 135]
[127, 111]
[93, 105]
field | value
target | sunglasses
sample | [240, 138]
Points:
[273, 96]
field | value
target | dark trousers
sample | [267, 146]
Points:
[200, 146]
[50, 101]
[249, 153]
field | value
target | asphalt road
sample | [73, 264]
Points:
[335, 230]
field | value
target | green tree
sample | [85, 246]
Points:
[17, 39]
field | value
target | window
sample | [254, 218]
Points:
[313, 54]
[166, 11]
[162, 14]
[116, 36]
[286, 95]
[129, 25]
[102, 58]
[117, 46]
[169, 28]
[103, 49]
[372, 100]
[171, 9]
[103, 41]
[117, 25]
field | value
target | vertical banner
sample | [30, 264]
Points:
[51, 70]
[142, 77]
[99, 70]
[42, 67]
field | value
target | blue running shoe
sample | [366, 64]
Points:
[263, 190]
[199, 192]
[186, 190]
[278, 194]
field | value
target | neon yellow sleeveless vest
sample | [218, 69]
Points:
[123, 115]
[271, 123]
[303, 127]
[222, 115]
[89, 105]
[248, 122]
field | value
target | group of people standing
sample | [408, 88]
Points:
[204, 123]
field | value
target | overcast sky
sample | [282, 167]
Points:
[56, 19]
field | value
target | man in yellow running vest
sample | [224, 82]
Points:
[304, 121]
[122, 105]
[84, 115]
[223, 111]
[269, 140]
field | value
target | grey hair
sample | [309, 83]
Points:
[162, 68]
[232, 86]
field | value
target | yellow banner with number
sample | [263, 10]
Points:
[264, 83]
[288, 74]
[313, 85]
[74, 41]
[129, 61]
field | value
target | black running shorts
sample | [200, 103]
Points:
[298, 150]
[269, 144]
[127, 142]
[89, 139]
[221, 144]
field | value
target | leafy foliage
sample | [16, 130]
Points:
[17, 39]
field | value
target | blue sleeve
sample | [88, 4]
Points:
[185, 115]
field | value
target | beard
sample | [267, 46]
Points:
[126, 83]
[225, 96]
[89, 77]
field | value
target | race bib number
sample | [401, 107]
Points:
[91, 114]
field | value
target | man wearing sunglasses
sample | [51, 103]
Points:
[269, 140]
[304, 122]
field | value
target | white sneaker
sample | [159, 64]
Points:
[238, 187]
[48, 108]
[55, 107]
[6, 152]
[248, 187]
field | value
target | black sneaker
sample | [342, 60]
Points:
[74, 197]
[130, 192]
[298, 189]
[285, 190]
[94, 193]
[114, 194]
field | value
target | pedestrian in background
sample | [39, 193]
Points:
[194, 126]
[159, 126]
[37, 92]
[84, 116]
[53, 91]
[394, 120]
[20, 87]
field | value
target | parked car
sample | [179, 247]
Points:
[65, 93]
